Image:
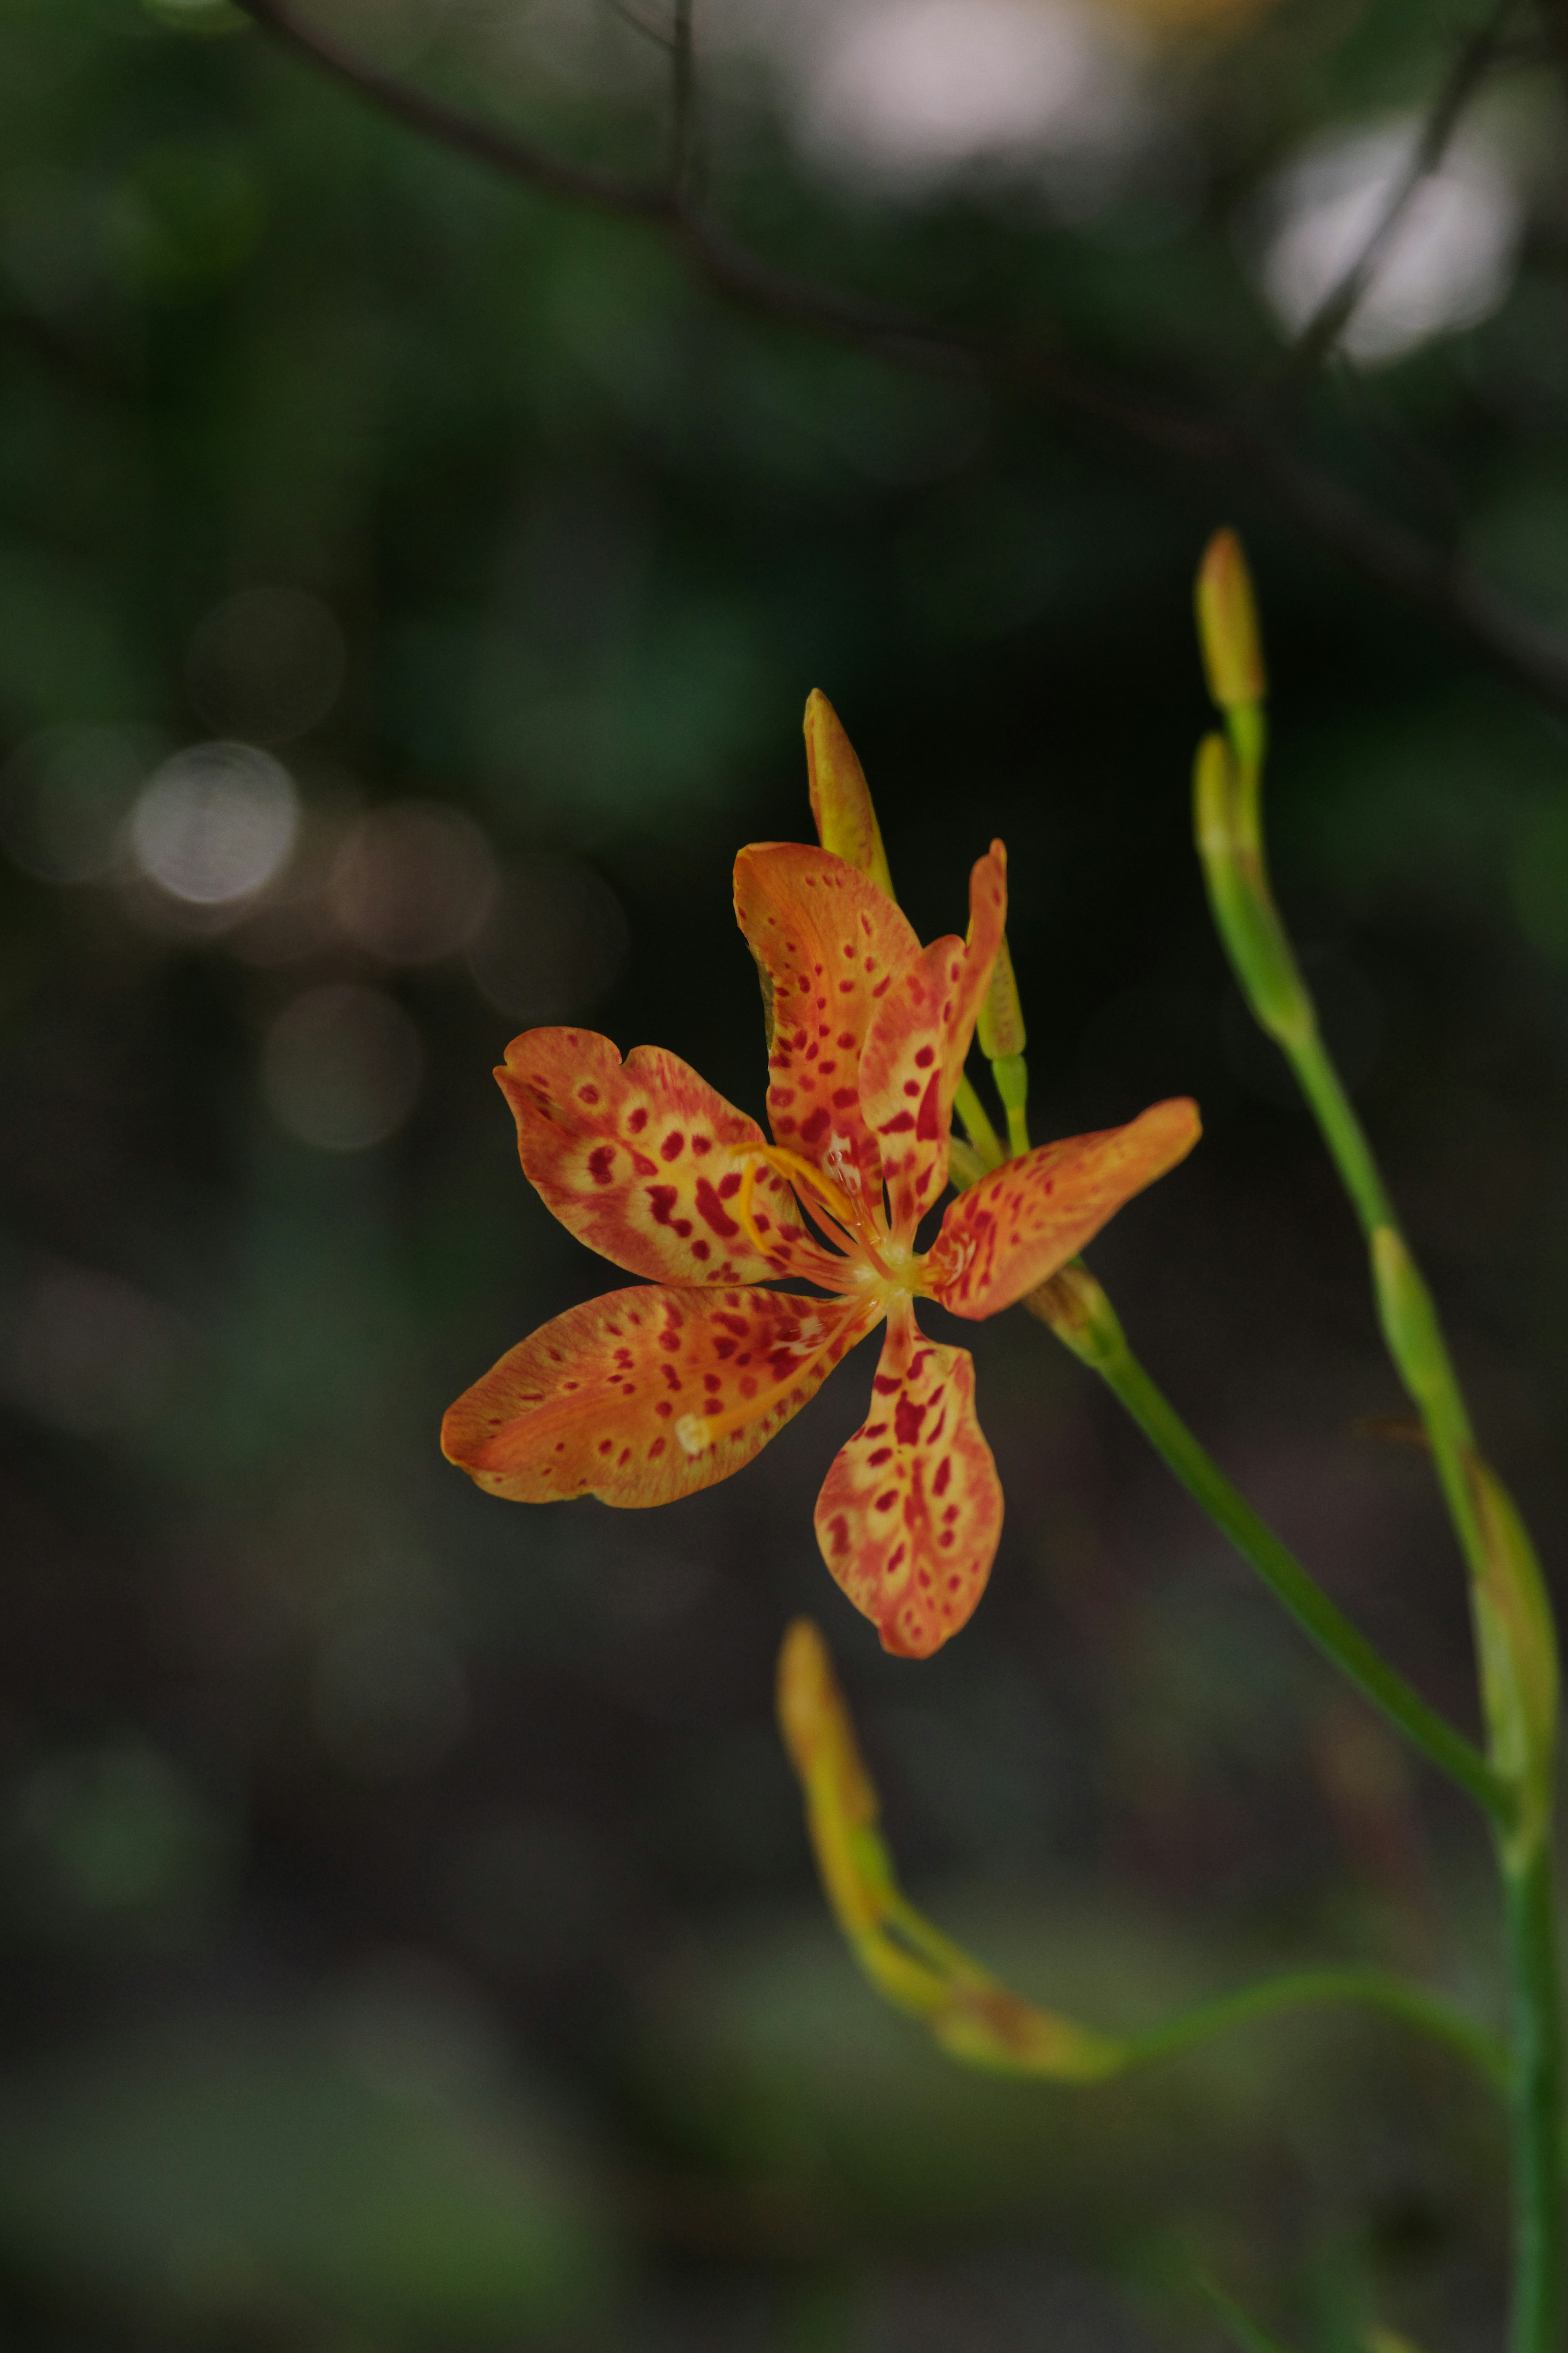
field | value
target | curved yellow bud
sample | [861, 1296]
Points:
[910, 1963]
[1228, 625]
[840, 796]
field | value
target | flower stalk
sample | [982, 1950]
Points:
[1515, 1640]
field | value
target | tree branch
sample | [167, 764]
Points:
[1206, 440]
[1472, 62]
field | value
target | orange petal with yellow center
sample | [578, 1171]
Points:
[595, 1402]
[829, 945]
[915, 1049]
[910, 1513]
[1017, 1225]
[646, 1163]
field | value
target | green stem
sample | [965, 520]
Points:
[1107, 1351]
[1365, 1988]
[1342, 1130]
[976, 1125]
[1230, 841]
[1539, 2304]
[1300, 1593]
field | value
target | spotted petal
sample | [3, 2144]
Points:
[1017, 1225]
[829, 945]
[597, 1401]
[910, 1513]
[644, 1162]
[916, 1046]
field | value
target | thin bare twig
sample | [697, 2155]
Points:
[1473, 60]
[654, 33]
[1218, 444]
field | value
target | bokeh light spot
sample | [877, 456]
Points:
[215, 823]
[911, 91]
[1447, 265]
[412, 881]
[342, 1066]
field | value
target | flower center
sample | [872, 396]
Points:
[863, 1235]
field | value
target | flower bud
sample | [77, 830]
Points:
[1228, 625]
[1000, 1023]
[840, 796]
[1409, 1319]
[911, 1964]
[1518, 1650]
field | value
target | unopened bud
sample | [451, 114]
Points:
[1518, 1650]
[1409, 1319]
[911, 1964]
[1228, 625]
[999, 1025]
[840, 796]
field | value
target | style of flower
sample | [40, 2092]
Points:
[653, 1392]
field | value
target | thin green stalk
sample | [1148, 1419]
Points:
[1515, 1642]
[1540, 2300]
[1300, 1593]
[1099, 1342]
[1364, 1989]
[976, 1125]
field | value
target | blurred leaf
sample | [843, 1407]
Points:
[260, 2174]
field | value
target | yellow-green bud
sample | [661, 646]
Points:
[1409, 1319]
[1518, 1655]
[907, 1958]
[1228, 625]
[1000, 1024]
[840, 796]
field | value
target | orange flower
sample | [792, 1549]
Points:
[653, 1392]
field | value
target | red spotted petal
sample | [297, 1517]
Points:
[644, 1162]
[829, 945]
[595, 1402]
[910, 1513]
[916, 1046]
[1015, 1227]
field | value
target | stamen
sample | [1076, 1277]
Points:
[842, 1206]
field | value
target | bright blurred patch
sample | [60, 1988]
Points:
[911, 91]
[341, 1067]
[1448, 264]
[215, 824]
